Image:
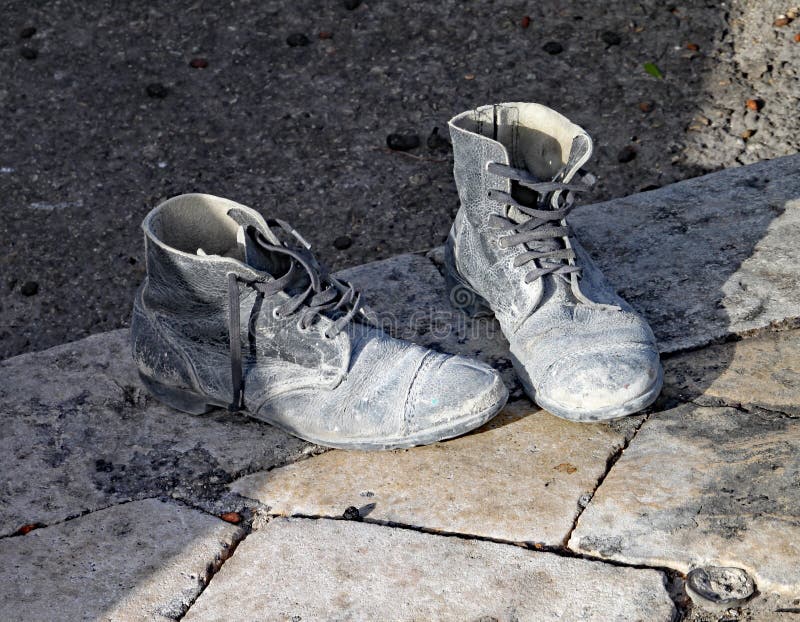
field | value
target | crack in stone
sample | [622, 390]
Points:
[673, 578]
[611, 461]
[71, 517]
[214, 567]
[748, 408]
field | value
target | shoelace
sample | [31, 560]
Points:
[543, 226]
[325, 294]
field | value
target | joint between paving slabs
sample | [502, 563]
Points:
[559, 551]
[22, 532]
[204, 580]
[611, 461]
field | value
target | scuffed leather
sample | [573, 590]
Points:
[574, 357]
[361, 388]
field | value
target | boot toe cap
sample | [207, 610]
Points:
[453, 396]
[593, 386]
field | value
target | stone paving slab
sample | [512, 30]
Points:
[341, 570]
[80, 433]
[761, 371]
[520, 478]
[707, 257]
[145, 560]
[704, 486]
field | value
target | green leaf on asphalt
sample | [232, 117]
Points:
[653, 70]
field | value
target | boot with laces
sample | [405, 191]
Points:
[581, 351]
[236, 312]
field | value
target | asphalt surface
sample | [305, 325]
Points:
[107, 108]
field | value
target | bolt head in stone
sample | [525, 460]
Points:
[720, 586]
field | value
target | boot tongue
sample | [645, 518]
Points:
[577, 154]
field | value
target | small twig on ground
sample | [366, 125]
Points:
[410, 155]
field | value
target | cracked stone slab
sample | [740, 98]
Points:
[707, 257]
[761, 371]
[296, 569]
[520, 478]
[80, 432]
[144, 560]
[703, 486]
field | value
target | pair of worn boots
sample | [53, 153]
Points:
[236, 311]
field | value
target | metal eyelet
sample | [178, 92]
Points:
[277, 314]
[301, 329]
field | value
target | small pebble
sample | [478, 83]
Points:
[747, 134]
[525, 22]
[27, 32]
[297, 39]
[792, 13]
[646, 106]
[418, 179]
[626, 154]
[553, 47]
[781, 21]
[157, 90]
[28, 53]
[352, 513]
[25, 529]
[231, 517]
[198, 63]
[469, 76]
[351, 5]
[325, 35]
[402, 142]
[693, 47]
[797, 38]
[436, 141]
[29, 288]
[343, 242]
[611, 38]
[754, 104]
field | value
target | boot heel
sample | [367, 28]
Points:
[461, 295]
[179, 399]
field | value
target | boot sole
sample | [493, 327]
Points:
[465, 299]
[194, 403]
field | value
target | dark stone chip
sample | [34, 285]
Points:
[297, 39]
[29, 288]
[28, 53]
[343, 242]
[352, 513]
[157, 90]
[402, 142]
[611, 38]
[553, 47]
[351, 4]
[27, 32]
[198, 63]
[626, 154]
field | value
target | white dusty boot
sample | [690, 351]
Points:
[235, 311]
[581, 351]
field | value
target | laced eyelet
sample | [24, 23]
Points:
[277, 314]
[326, 336]
[301, 328]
